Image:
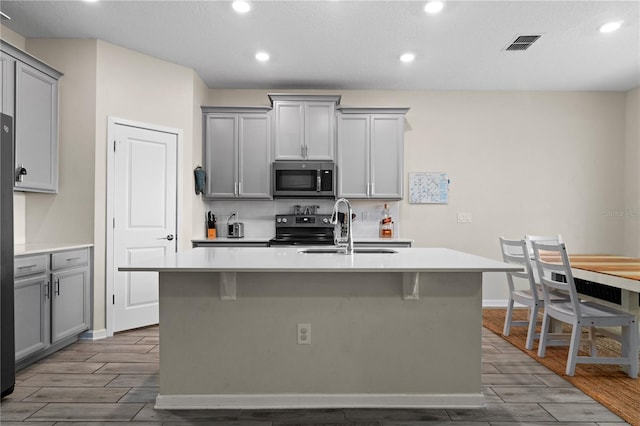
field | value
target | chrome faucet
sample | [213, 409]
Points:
[338, 233]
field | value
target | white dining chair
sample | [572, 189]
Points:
[554, 269]
[530, 295]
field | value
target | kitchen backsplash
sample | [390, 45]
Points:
[258, 216]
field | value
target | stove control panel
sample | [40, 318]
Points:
[310, 220]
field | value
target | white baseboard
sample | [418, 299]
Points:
[94, 335]
[310, 401]
[494, 303]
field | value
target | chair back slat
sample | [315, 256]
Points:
[552, 258]
[516, 252]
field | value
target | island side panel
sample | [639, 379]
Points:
[365, 339]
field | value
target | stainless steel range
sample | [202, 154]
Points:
[303, 230]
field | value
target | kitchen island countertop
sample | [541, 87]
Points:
[286, 259]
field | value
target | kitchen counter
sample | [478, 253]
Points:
[288, 259]
[37, 248]
[253, 328]
[265, 240]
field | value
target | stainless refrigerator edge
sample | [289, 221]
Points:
[7, 339]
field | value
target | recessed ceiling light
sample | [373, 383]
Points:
[610, 27]
[91, 1]
[433, 6]
[262, 56]
[407, 57]
[241, 6]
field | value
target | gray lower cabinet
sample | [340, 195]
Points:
[370, 153]
[32, 312]
[237, 152]
[30, 96]
[52, 300]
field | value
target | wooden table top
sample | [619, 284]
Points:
[618, 266]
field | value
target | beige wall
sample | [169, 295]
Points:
[200, 92]
[12, 37]
[520, 162]
[140, 88]
[631, 207]
[68, 215]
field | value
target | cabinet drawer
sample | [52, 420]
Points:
[28, 265]
[68, 259]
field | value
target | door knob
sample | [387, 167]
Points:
[168, 237]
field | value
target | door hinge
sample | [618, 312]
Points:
[113, 302]
[114, 146]
[114, 223]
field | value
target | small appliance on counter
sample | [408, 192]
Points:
[235, 229]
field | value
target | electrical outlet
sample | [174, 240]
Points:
[464, 217]
[304, 334]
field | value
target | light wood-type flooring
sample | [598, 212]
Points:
[114, 381]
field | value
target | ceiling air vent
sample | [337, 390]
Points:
[522, 42]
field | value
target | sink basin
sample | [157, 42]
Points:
[341, 251]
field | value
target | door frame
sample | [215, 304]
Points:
[112, 122]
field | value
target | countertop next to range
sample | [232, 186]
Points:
[266, 240]
[286, 259]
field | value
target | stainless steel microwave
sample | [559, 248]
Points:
[304, 179]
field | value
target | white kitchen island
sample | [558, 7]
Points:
[386, 330]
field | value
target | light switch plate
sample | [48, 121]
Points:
[464, 217]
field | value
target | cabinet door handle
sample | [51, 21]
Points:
[58, 287]
[239, 188]
[20, 173]
[235, 188]
[69, 259]
[372, 188]
[27, 266]
[47, 290]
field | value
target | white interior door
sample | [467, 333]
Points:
[145, 184]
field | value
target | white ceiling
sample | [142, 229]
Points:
[356, 44]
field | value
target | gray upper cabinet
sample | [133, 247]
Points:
[30, 92]
[370, 153]
[304, 126]
[7, 84]
[237, 152]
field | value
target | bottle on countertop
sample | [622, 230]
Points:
[386, 223]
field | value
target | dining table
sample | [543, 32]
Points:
[612, 279]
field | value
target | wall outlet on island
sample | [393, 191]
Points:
[304, 334]
[464, 217]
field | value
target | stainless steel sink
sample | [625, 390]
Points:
[334, 250]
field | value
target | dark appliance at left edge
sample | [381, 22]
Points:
[7, 339]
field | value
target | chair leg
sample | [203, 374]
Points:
[593, 350]
[507, 318]
[531, 331]
[630, 348]
[573, 349]
[544, 334]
